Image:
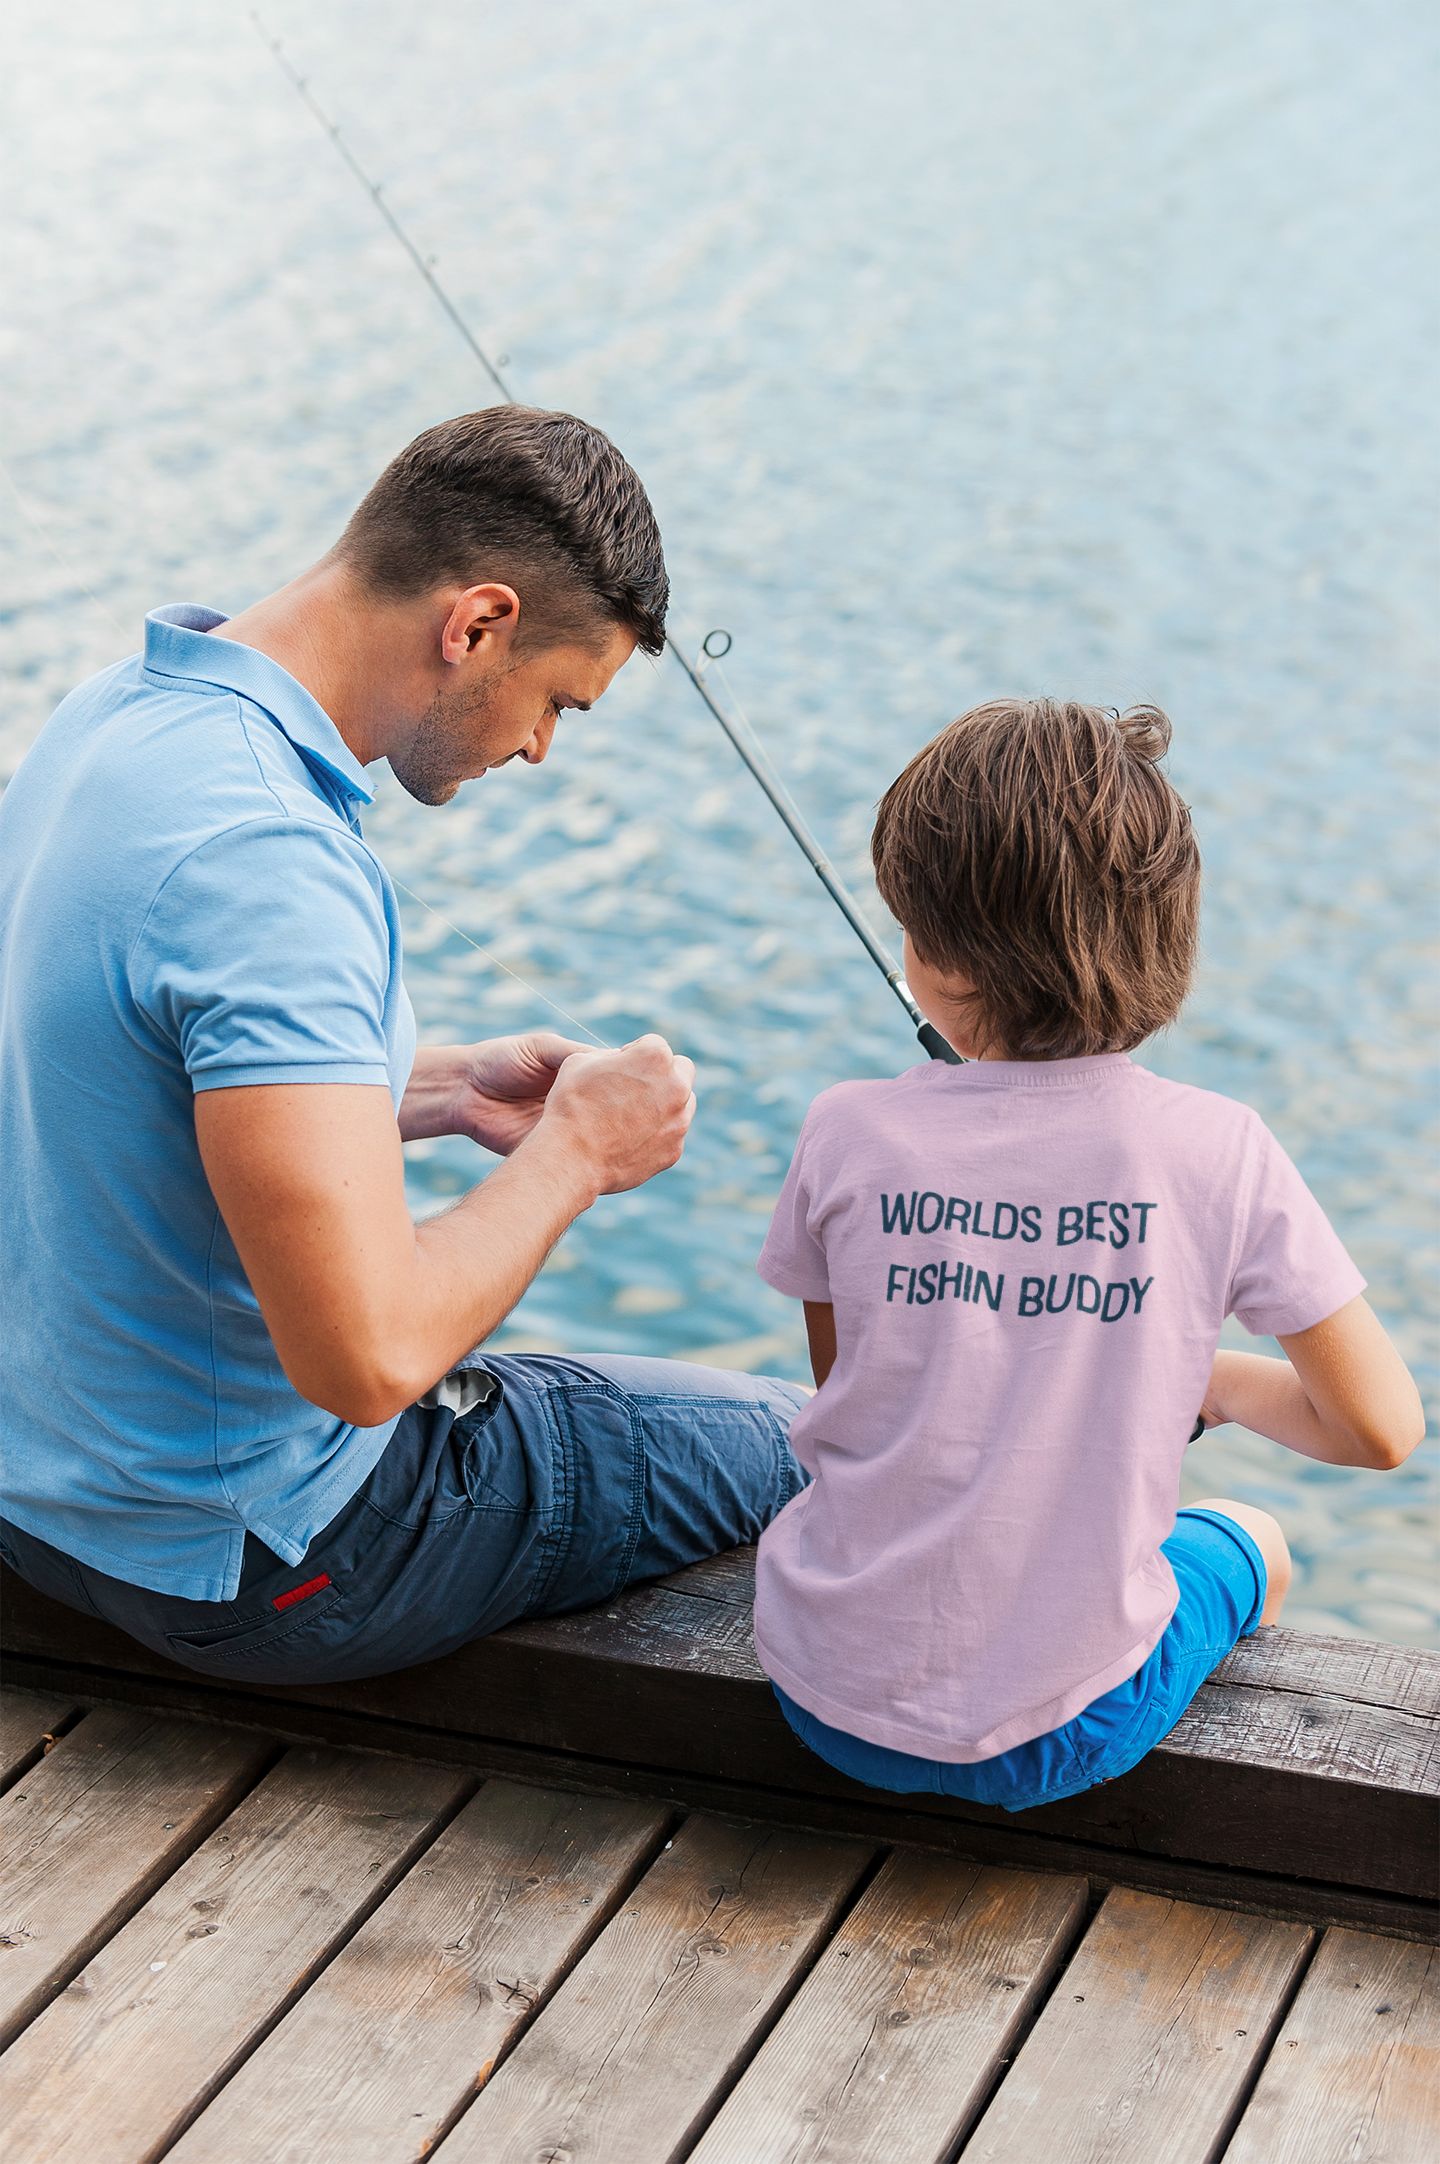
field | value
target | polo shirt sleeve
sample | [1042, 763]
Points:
[1292, 1270]
[266, 956]
[792, 1259]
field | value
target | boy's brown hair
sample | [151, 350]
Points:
[1036, 850]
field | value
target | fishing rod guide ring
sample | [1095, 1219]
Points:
[716, 653]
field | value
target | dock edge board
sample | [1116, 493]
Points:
[1307, 1764]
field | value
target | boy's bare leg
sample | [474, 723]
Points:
[1271, 1542]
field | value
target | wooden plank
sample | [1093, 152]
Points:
[390, 2044]
[1365, 1670]
[1269, 1780]
[639, 2044]
[667, 1627]
[114, 2070]
[1368, 1672]
[1354, 2075]
[894, 2041]
[1280, 1765]
[1145, 2051]
[1263, 1778]
[729, 1578]
[94, 1827]
[1384, 1747]
[28, 1721]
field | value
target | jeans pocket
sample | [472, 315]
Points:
[250, 1639]
[493, 1468]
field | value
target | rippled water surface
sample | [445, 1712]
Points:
[1065, 345]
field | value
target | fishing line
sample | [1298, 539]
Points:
[553, 1005]
[60, 559]
[736, 727]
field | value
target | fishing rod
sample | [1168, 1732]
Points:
[737, 729]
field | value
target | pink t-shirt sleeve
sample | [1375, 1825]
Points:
[1290, 1269]
[792, 1259]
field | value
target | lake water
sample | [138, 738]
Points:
[1065, 345]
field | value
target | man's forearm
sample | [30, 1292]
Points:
[365, 1308]
[494, 1092]
[432, 1095]
[475, 1260]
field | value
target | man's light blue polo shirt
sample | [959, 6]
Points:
[186, 903]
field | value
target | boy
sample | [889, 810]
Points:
[1014, 1275]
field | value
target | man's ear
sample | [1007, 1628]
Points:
[482, 616]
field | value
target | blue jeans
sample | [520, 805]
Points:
[1221, 1578]
[577, 1479]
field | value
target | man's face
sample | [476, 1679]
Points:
[507, 711]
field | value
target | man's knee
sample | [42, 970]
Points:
[648, 1377]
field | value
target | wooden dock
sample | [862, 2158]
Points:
[565, 1897]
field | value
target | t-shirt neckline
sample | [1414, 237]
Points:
[994, 1074]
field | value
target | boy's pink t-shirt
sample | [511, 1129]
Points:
[1029, 1265]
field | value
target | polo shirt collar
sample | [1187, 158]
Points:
[176, 645]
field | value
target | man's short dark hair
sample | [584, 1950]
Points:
[1036, 850]
[541, 501]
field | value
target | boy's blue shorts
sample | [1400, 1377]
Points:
[1221, 1576]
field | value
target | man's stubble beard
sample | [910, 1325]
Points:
[442, 752]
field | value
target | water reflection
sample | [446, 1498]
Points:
[1044, 347]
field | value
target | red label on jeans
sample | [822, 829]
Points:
[301, 1592]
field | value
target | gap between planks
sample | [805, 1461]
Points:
[644, 2039]
[31, 1722]
[390, 2045]
[93, 1827]
[1147, 2050]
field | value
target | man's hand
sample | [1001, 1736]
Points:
[492, 1092]
[625, 1113]
[367, 1310]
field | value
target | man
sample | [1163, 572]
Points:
[241, 1415]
